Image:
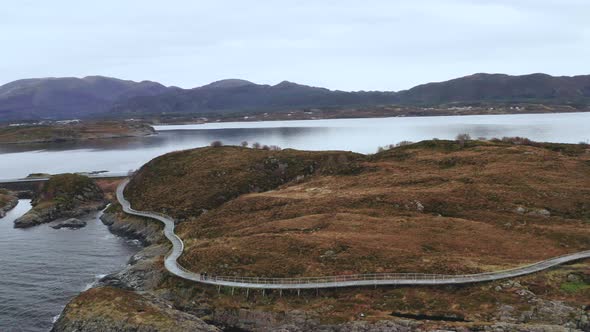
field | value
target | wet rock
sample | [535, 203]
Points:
[144, 271]
[70, 223]
[148, 231]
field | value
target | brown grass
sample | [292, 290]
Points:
[431, 207]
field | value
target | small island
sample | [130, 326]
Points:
[64, 131]
[63, 196]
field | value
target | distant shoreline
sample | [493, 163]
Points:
[77, 131]
[295, 117]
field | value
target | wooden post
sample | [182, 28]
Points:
[232, 291]
[298, 291]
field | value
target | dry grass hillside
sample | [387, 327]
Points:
[434, 206]
[185, 184]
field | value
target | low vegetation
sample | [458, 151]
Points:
[63, 189]
[433, 206]
[61, 132]
[63, 196]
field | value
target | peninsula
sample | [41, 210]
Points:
[433, 207]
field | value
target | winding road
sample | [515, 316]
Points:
[176, 269]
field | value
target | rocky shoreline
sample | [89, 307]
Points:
[63, 196]
[182, 306]
[10, 204]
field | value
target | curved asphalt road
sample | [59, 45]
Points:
[174, 267]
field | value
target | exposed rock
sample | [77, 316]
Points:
[572, 277]
[70, 223]
[537, 212]
[540, 213]
[63, 196]
[147, 231]
[109, 309]
[144, 271]
[38, 216]
[419, 206]
[11, 201]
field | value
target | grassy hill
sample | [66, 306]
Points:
[433, 207]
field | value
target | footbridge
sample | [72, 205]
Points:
[354, 280]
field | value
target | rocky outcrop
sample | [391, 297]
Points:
[147, 231]
[63, 196]
[110, 309]
[7, 202]
[144, 271]
[70, 223]
[40, 215]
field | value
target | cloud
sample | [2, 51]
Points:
[349, 45]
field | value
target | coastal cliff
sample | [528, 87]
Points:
[63, 196]
[145, 230]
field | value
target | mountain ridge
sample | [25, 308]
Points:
[99, 96]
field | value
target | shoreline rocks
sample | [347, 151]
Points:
[63, 196]
[37, 216]
[70, 223]
[9, 205]
[146, 231]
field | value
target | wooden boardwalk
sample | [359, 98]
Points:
[376, 279]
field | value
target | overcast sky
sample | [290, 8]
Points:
[341, 44]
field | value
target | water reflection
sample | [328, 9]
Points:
[359, 135]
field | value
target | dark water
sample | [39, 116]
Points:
[41, 268]
[359, 135]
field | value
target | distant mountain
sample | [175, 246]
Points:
[58, 98]
[239, 95]
[499, 87]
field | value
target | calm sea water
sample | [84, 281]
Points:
[359, 135]
[41, 268]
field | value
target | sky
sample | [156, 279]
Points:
[343, 44]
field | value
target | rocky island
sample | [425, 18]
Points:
[443, 207]
[8, 201]
[63, 196]
[64, 131]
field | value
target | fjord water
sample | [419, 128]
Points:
[359, 135]
[42, 268]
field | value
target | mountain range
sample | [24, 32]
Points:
[97, 96]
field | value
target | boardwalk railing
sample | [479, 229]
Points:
[371, 279]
